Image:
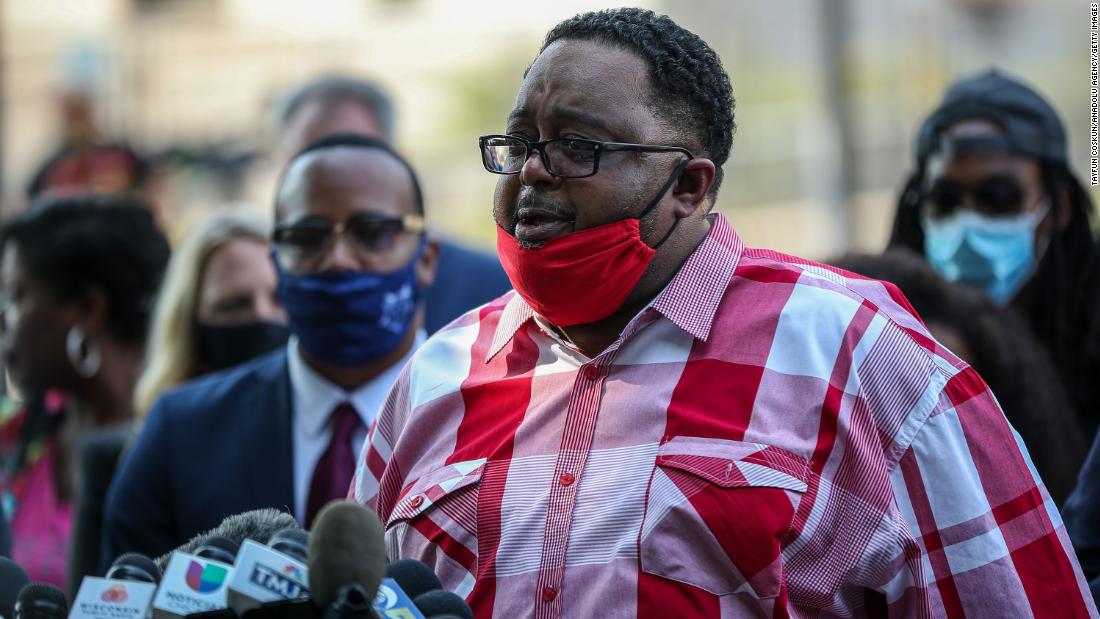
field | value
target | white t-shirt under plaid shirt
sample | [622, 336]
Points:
[768, 438]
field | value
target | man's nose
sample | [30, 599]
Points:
[341, 255]
[534, 172]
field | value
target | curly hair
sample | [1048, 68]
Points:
[690, 87]
[78, 243]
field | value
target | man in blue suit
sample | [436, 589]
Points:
[285, 430]
[467, 278]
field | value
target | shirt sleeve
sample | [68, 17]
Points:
[985, 540]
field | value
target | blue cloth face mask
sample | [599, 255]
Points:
[995, 254]
[350, 318]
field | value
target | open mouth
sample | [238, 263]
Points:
[536, 225]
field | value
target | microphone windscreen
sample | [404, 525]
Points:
[134, 566]
[292, 542]
[441, 602]
[414, 577]
[218, 548]
[258, 525]
[12, 579]
[345, 548]
[41, 601]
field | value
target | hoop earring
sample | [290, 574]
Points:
[86, 364]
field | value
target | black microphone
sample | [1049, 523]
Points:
[258, 524]
[12, 579]
[126, 591]
[218, 548]
[345, 548]
[440, 602]
[135, 567]
[41, 601]
[352, 602]
[414, 577]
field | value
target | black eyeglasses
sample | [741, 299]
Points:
[995, 195]
[562, 157]
[369, 235]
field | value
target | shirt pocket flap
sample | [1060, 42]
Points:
[735, 464]
[434, 487]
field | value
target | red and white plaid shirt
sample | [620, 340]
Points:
[768, 438]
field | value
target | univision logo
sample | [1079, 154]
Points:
[205, 578]
[276, 582]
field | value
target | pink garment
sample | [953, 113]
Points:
[42, 524]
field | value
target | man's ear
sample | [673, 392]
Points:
[691, 191]
[426, 265]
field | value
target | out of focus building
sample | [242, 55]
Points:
[828, 94]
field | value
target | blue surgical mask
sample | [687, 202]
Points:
[995, 254]
[350, 318]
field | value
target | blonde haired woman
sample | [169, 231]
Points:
[218, 305]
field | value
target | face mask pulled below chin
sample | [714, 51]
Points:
[350, 318]
[584, 276]
[994, 254]
[223, 346]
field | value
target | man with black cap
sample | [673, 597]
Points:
[993, 204]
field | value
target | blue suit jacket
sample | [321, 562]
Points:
[214, 447]
[464, 280]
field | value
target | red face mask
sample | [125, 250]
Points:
[584, 276]
[580, 277]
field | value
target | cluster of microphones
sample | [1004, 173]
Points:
[255, 565]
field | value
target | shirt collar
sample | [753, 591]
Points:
[690, 300]
[315, 397]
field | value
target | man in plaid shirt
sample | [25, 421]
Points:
[662, 422]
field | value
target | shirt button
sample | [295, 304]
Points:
[566, 479]
[417, 501]
[548, 594]
[591, 372]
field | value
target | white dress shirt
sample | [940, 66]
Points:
[315, 397]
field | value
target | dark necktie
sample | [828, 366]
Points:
[334, 471]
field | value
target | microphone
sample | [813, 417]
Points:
[41, 601]
[125, 593]
[271, 573]
[414, 577]
[195, 583]
[352, 602]
[258, 524]
[405, 579]
[440, 602]
[12, 579]
[345, 548]
[392, 602]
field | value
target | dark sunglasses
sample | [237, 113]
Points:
[369, 234]
[995, 195]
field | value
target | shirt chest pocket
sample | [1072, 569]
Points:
[717, 513]
[435, 521]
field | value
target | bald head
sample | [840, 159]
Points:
[347, 179]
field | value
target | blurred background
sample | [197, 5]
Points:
[829, 94]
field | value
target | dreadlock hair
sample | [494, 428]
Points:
[689, 86]
[1066, 308]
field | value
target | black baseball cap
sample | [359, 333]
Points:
[1031, 125]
